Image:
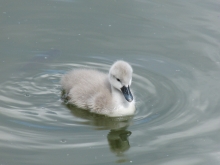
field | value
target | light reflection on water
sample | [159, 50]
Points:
[168, 105]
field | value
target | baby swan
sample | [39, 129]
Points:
[101, 93]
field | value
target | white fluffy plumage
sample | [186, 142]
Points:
[107, 94]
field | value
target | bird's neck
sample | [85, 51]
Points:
[119, 97]
[121, 106]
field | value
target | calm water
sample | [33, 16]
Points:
[174, 48]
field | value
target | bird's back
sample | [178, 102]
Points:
[87, 88]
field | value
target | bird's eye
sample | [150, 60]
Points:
[118, 79]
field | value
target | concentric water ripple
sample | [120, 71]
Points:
[39, 94]
[31, 100]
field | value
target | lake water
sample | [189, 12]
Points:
[174, 49]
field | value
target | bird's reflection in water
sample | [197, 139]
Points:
[118, 135]
[118, 141]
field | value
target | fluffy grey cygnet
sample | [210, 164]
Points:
[107, 94]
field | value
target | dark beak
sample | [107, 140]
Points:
[127, 93]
